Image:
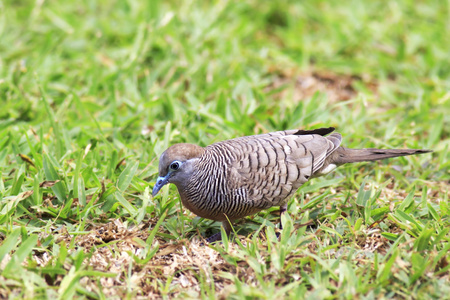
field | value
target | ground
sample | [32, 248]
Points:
[92, 92]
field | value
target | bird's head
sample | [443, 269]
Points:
[176, 164]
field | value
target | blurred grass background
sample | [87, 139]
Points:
[89, 88]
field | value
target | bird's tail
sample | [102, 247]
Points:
[345, 155]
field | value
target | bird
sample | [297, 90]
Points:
[235, 178]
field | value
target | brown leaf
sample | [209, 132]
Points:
[309, 222]
[377, 222]
[48, 183]
[27, 159]
[121, 162]
[170, 249]
[24, 195]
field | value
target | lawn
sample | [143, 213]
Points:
[93, 91]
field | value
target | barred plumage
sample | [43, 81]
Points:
[239, 177]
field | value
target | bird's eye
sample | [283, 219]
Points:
[175, 165]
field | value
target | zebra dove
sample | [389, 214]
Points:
[235, 178]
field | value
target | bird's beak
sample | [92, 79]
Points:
[160, 182]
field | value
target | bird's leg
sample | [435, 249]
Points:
[218, 236]
[283, 209]
[214, 238]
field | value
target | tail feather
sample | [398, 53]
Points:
[345, 155]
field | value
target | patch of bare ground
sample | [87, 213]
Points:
[338, 87]
[113, 246]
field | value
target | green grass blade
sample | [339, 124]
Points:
[127, 175]
[9, 243]
[385, 272]
[51, 174]
[130, 208]
[21, 253]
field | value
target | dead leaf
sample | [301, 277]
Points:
[86, 151]
[377, 222]
[23, 195]
[170, 249]
[27, 159]
[48, 183]
[121, 162]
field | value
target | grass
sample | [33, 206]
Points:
[92, 92]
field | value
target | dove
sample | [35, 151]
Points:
[231, 179]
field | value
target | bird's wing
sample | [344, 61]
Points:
[271, 167]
